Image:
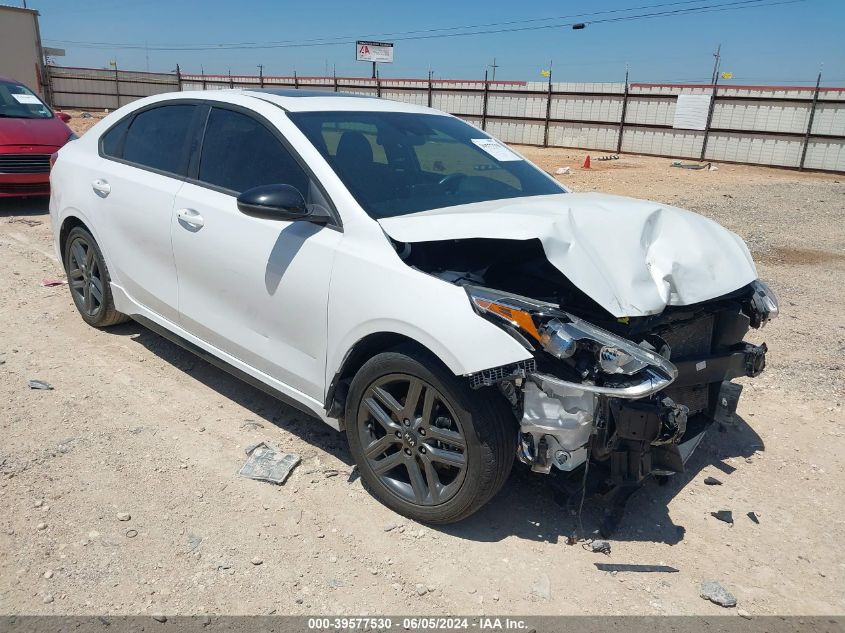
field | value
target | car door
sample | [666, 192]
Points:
[254, 288]
[143, 162]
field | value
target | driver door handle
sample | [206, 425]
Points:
[190, 217]
[101, 187]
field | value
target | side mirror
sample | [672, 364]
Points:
[64, 116]
[279, 202]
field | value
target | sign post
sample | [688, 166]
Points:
[375, 52]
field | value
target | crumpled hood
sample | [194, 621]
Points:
[632, 257]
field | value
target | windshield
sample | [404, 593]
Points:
[19, 102]
[396, 163]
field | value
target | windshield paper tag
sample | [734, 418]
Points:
[27, 99]
[495, 149]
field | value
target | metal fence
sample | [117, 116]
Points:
[762, 125]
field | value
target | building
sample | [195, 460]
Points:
[20, 47]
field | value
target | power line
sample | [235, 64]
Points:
[343, 39]
[711, 8]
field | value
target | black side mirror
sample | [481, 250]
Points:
[280, 202]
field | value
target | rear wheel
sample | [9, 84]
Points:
[88, 279]
[427, 445]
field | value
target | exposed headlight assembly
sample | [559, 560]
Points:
[564, 336]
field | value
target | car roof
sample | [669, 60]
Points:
[307, 100]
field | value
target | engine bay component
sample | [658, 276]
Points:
[560, 422]
[639, 426]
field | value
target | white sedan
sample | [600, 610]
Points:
[400, 274]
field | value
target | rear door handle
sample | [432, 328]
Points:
[101, 187]
[190, 217]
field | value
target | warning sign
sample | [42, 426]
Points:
[381, 52]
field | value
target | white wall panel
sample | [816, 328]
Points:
[586, 108]
[601, 137]
[516, 105]
[672, 143]
[521, 132]
[650, 111]
[784, 151]
[829, 119]
[823, 154]
[775, 116]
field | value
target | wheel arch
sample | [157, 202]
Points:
[68, 224]
[364, 349]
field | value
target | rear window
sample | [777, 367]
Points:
[112, 141]
[157, 138]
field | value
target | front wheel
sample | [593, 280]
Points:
[427, 445]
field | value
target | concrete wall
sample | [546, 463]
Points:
[764, 125]
[20, 53]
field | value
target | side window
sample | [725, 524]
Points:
[112, 141]
[157, 138]
[239, 153]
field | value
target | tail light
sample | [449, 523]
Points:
[53, 158]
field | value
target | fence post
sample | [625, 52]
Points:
[484, 103]
[622, 119]
[709, 118]
[48, 85]
[179, 77]
[548, 110]
[810, 122]
[429, 89]
[116, 85]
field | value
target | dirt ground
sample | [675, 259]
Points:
[136, 425]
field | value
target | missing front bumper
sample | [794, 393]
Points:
[652, 434]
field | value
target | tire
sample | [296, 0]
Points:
[460, 441]
[89, 283]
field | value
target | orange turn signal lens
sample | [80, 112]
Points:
[519, 318]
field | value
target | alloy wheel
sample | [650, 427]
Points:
[85, 276]
[412, 439]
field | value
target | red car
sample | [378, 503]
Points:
[29, 133]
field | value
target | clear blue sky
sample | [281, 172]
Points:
[786, 43]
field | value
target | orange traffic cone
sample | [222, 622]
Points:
[587, 162]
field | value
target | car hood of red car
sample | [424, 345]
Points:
[42, 132]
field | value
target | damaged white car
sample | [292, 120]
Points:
[401, 275]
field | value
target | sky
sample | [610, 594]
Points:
[762, 42]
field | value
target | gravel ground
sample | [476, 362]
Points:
[135, 425]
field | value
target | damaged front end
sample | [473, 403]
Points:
[634, 396]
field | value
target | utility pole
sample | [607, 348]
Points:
[716, 63]
[261, 75]
[494, 66]
[548, 108]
